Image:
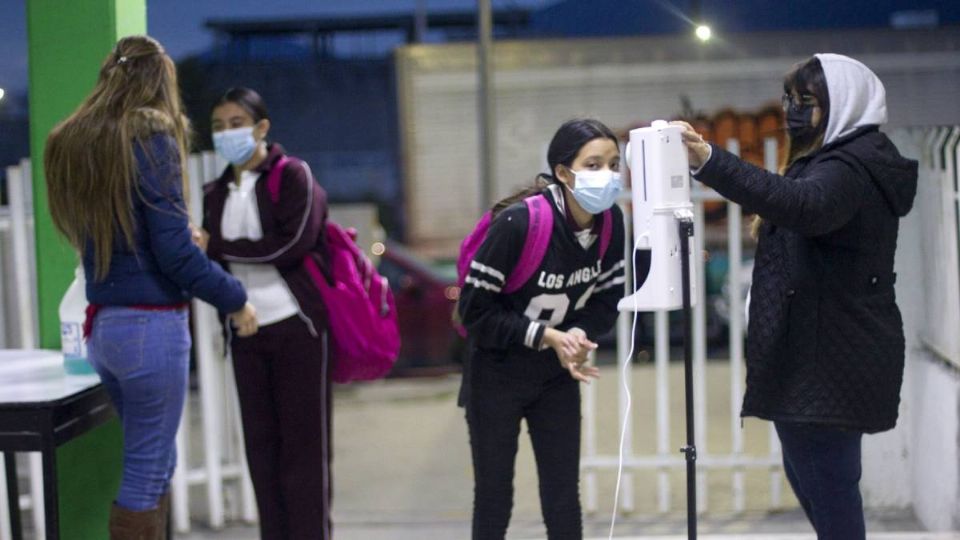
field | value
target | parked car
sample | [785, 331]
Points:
[426, 294]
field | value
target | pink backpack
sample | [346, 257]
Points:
[539, 228]
[365, 337]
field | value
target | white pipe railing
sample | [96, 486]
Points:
[224, 470]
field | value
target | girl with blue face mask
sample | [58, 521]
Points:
[529, 347]
[239, 135]
[262, 230]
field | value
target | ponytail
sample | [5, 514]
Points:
[540, 184]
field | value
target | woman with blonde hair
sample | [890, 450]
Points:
[116, 184]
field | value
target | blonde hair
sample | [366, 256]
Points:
[89, 158]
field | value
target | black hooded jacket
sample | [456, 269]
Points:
[825, 343]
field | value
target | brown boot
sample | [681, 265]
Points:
[166, 524]
[133, 525]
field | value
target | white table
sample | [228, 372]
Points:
[41, 408]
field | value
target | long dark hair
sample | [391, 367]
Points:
[247, 99]
[564, 147]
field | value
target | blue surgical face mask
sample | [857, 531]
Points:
[596, 191]
[235, 145]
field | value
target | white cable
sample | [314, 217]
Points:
[626, 387]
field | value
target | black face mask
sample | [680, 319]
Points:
[800, 122]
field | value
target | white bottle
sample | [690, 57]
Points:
[73, 311]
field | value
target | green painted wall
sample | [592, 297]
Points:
[68, 40]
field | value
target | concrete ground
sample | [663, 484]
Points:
[402, 470]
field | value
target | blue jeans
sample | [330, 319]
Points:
[823, 467]
[143, 359]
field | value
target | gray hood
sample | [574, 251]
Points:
[857, 97]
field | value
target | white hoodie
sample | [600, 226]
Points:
[857, 97]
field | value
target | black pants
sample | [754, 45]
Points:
[495, 405]
[823, 467]
[284, 388]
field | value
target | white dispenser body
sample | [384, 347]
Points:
[660, 191]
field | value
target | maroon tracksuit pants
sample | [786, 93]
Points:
[282, 375]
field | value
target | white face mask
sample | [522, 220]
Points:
[596, 191]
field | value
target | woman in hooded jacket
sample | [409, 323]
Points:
[825, 347]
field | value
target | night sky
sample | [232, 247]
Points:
[178, 24]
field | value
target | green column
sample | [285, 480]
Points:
[68, 39]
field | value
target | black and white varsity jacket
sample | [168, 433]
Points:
[571, 288]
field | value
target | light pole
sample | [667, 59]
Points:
[485, 102]
[420, 21]
[702, 31]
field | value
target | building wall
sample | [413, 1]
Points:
[919, 461]
[935, 450]
[623, 82]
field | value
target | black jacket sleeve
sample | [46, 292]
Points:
[484, 308]
[822, 199]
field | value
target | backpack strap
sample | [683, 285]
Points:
[539, 228]
[606, 232]
[274, 177]
[470, 245]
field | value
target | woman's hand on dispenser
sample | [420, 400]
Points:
[698, 151]
[245, 320]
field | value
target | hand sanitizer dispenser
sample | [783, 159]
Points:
[660, 190]
[73, 311]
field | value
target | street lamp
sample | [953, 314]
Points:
[703, 33]
[2, 94]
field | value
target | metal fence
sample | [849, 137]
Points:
[938, 202]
